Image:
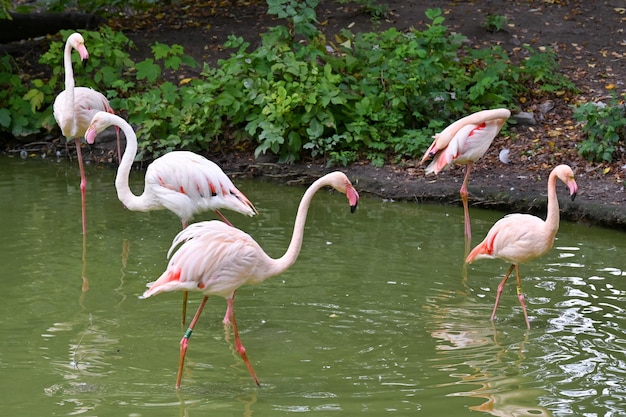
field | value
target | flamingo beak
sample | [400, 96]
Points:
[353, 198]
[573, 189]
[90, 135]
[84, 55]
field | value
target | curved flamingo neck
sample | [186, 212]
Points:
[289, 258]
[67, 64]
[552, 218]
[69, 122]
[124, 193]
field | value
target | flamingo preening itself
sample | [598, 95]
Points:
[519, 238]
[216, 259]
[183, 182]
[464, 142]
[75, 106]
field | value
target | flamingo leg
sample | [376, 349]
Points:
[499, 293]
[184, 342]
[185, 293]
[224, 219]
[85, 286]
[464, 194]
[520, 295]
[184, 318]
[83, 184]
[229, 310]
[119, 148]
[230, 313]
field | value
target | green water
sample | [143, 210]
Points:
[376, 317]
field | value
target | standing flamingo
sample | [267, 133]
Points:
[464, 142]
[519, 238]
[216, 260]
[75, 106]
[183, 182]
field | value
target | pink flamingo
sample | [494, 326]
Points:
[216, 260]
[519, 238]
[183, 182]
[464, 142]
[75, 106]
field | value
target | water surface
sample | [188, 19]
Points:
[377, 316]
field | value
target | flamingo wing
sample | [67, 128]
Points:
[213, 258]
[445, 156]
[87, 102]
[186, 183]
[442, 140]
[515, 238]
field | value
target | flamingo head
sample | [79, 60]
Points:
[565, 174]
[340, 182]
[77, 42]
[100, 121]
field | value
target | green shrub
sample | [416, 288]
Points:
[605, 129]
[373, 96]
[22, 100]
[494, 22]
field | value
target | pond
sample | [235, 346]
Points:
[377, 316]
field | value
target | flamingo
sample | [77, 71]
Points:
[183, 182]
[519, 238]
[216, 260]
[75, 106]
[464, 142]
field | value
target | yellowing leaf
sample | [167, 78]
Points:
[610, 86]
[185, 81]
[606, 170]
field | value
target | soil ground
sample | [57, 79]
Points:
[589, 37]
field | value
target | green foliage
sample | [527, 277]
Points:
[375, 96]
[374, 8]
[541, 70]
[99, 5]
[605, 130]
[128, 85]
[21, 100]
[495, 22]
[5, 6]
[299, 13]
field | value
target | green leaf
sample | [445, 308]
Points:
[35, 97]
[315, 129]
[148, 70]
[5, 118]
